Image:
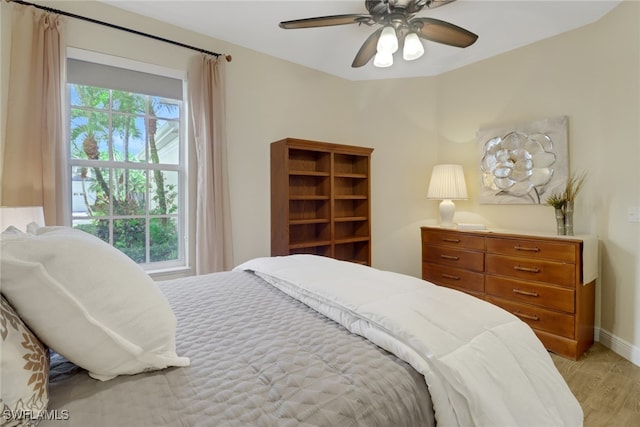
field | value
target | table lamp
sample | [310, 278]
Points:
[447, 184]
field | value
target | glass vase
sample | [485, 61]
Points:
[560, 221]
[568, 219]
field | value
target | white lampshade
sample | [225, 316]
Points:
[447, 183]
[20, 216]
[413, 48]
[388, 41]
[383, 60]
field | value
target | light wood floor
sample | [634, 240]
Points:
[606, 385]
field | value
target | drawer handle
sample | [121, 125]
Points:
[527, 269]
[527, 293]
[451, 240]
[526, 316]
[450, 276]
[451, 257]
[526, 249]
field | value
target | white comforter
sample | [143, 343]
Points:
[483, 366]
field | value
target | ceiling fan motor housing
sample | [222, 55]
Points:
[380, 10]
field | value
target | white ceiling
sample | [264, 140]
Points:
[502, 25]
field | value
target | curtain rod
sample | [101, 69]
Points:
[118, 27]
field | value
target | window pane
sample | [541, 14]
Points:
[129, 135]
[97, 227]
[89, 134]
[164, 140]
[90, 191]
[129, 237]
[164, 108]
[129, 102]
[129, 191]
[163, 233]
[74, 98]
[83, 194]
[88, 96]
[163, 192]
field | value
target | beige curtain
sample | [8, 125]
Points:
[34, 146]
[206, 82]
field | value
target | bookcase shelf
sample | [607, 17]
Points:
[350, 218]
[320, 200]
[308, 197]
[309, 173]
[309, 221]
[350, 197]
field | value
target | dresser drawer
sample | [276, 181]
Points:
[552, 297]
[538, 318]
[452, 238]
[454, 277]
[453, 257]
[534, 249]
[532, 269]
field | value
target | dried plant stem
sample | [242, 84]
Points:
[574, 185]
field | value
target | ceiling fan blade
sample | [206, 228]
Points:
[443, 32]
[325, 21]
[367, 50]
[437, 3]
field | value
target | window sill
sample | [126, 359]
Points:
[170, 273]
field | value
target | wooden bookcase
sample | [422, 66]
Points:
[320, 200]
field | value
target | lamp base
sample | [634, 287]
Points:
[447, 209]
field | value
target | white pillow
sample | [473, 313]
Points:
[24, 371]
[88, 301]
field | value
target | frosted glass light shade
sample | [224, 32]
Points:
[388, 41]
[413, 48]
[20, 216]
[383, 60]
[447, 183]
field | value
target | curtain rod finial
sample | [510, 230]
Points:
[228, 58]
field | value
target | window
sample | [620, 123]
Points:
[127, 173]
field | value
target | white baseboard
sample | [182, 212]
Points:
[618, 345]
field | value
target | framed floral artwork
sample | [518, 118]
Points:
[524, 163]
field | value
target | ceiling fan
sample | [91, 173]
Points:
[399, 26]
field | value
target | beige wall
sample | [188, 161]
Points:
[591, 75]
[398, 119]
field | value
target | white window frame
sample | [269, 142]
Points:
[155, 268]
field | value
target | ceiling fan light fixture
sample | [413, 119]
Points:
[383, 60]
[388, 42]
[393, 19]
[413, 48]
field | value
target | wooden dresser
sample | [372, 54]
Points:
[539, 279]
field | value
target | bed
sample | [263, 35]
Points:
[258, 357]
[298, 340]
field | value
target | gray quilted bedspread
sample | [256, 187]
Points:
[258, 358]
